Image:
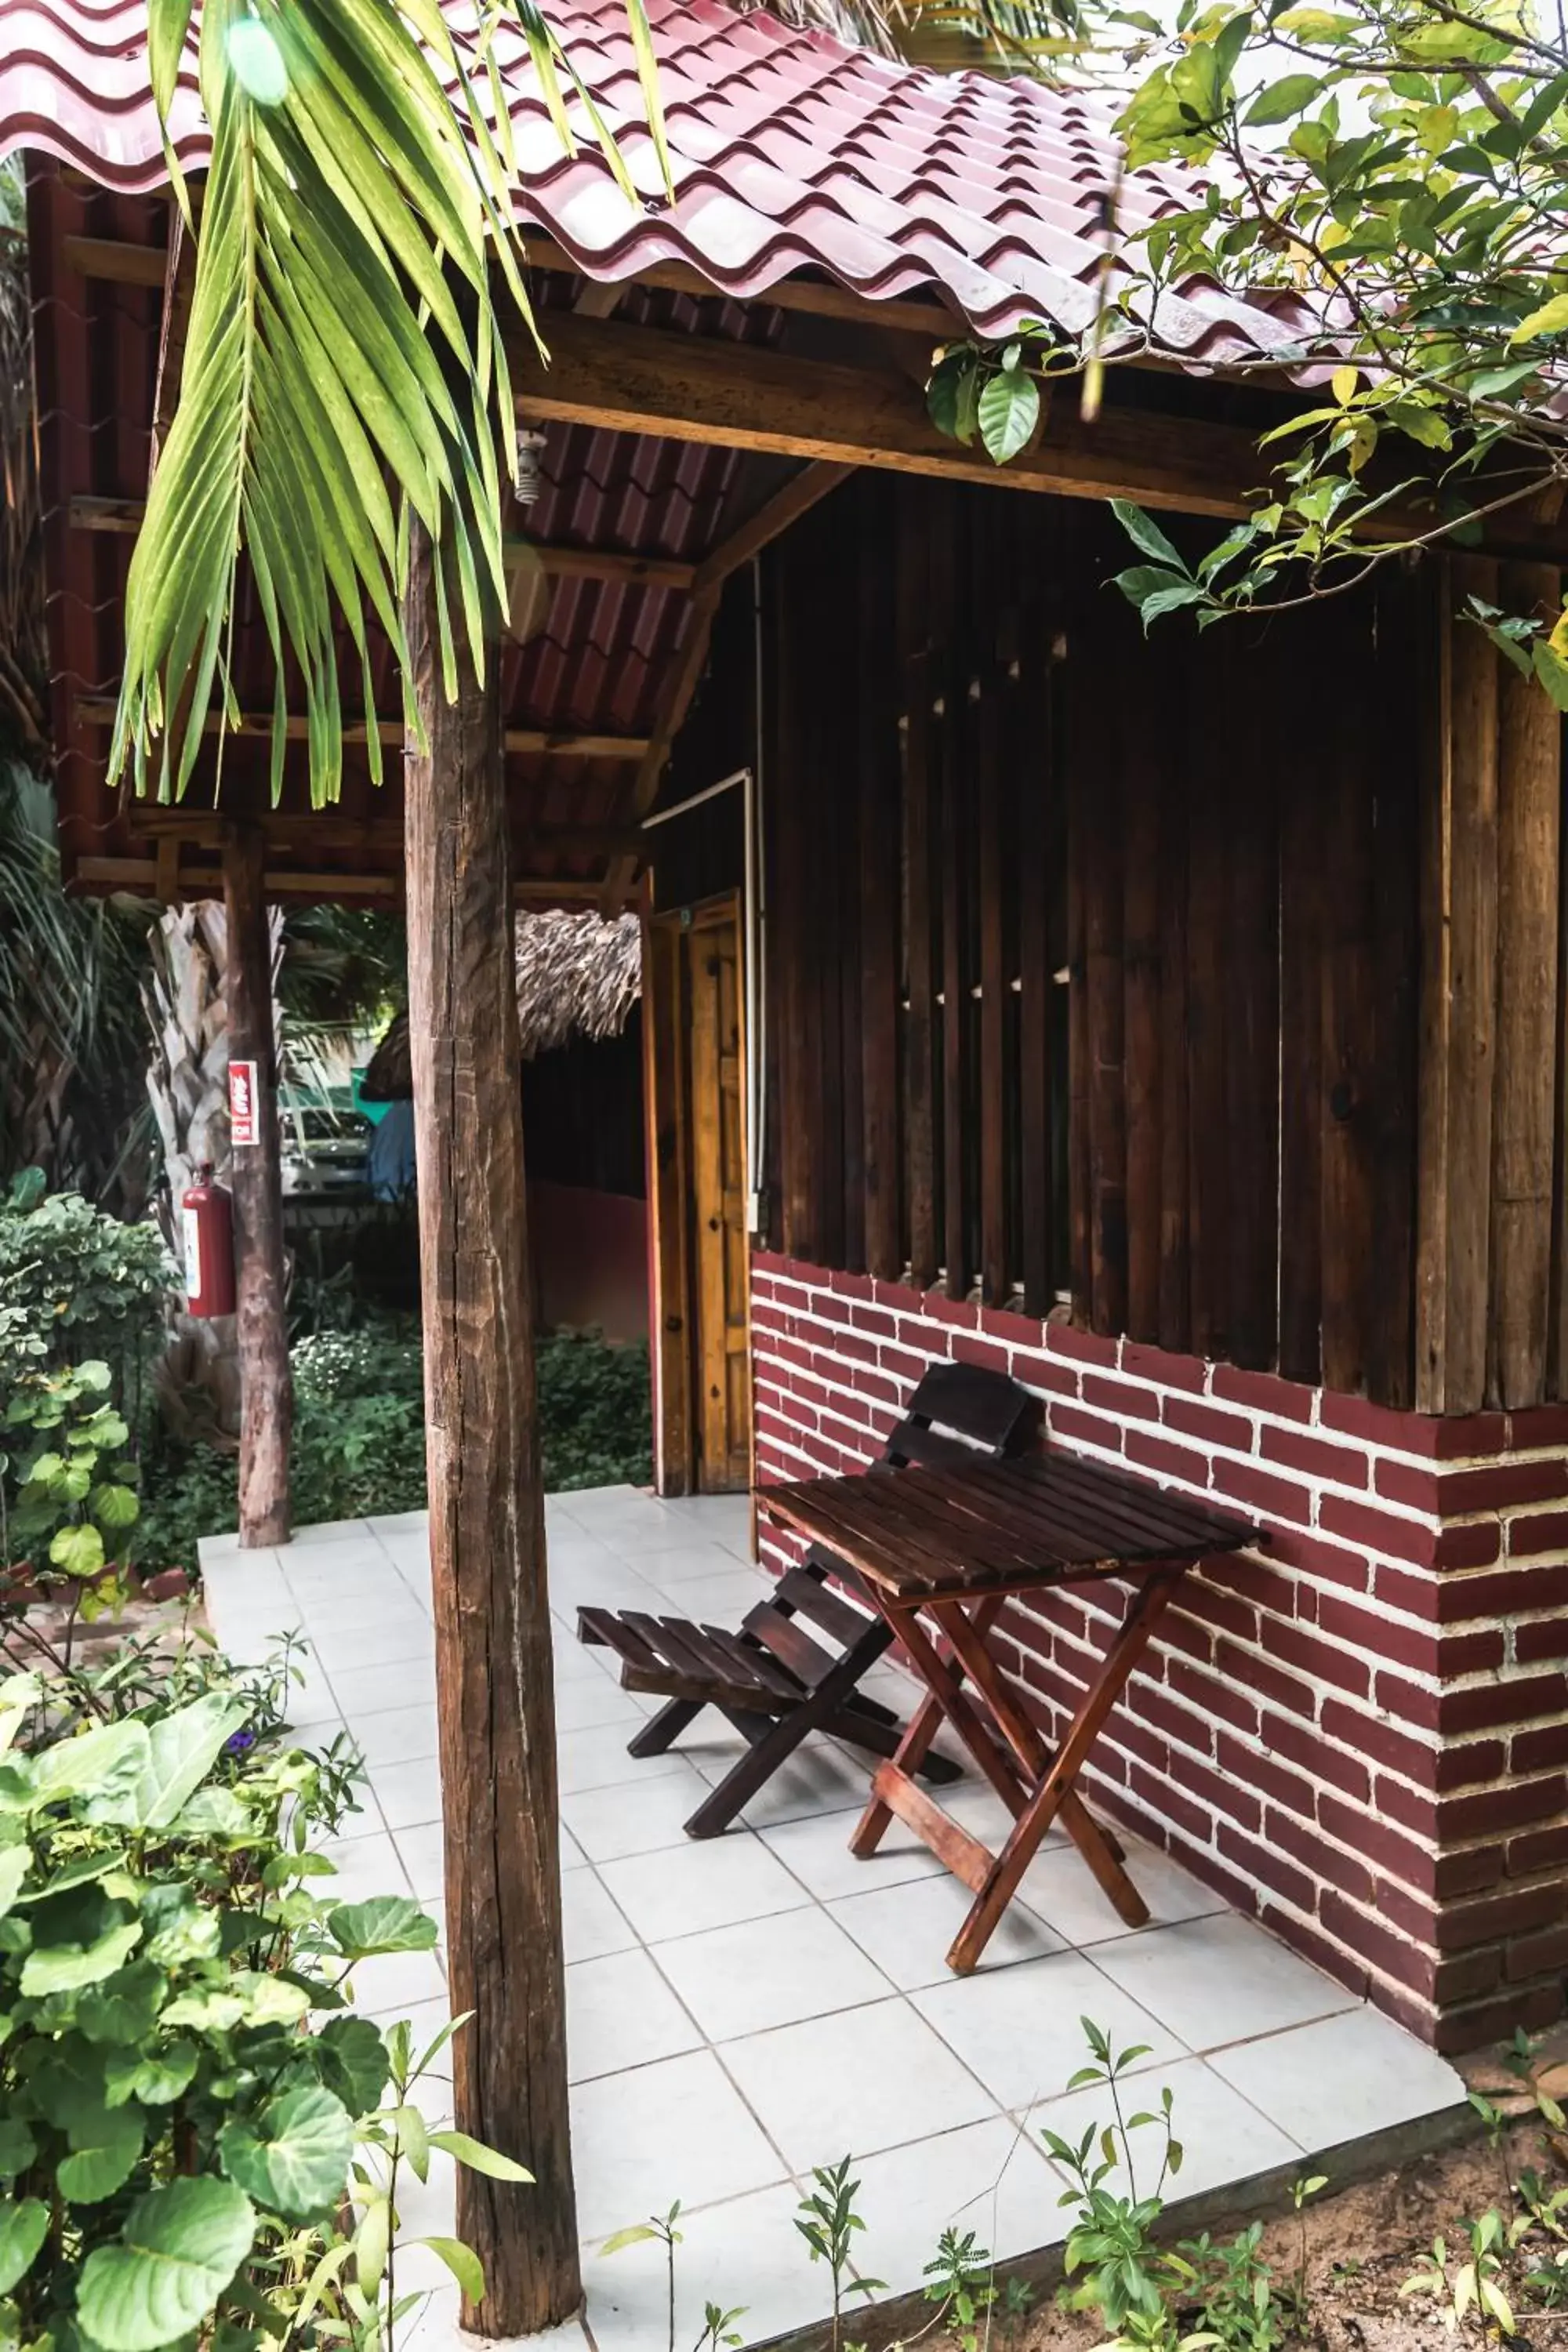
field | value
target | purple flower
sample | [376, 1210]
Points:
[239, 1741]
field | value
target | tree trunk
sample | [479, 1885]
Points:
[186, 1006]
[266, 1388]
[493, 1669]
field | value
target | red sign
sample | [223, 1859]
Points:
[243, 1123]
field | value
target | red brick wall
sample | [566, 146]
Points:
[1361, 1732]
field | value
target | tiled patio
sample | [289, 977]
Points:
[741, 2009]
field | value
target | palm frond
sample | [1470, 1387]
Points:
[344, 363]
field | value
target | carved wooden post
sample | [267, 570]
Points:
[266, 1384]
[493, 1673]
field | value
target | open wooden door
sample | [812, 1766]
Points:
[693, 1001]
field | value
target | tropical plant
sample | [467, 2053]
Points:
[200, 2141]
[828, 2222]
[346, 365]
[1390, 171]
[1109, 2241]
[84, 1283]
[67, 1499]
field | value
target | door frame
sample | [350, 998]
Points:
[668, 1140]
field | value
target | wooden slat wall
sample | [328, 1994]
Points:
[990, 777]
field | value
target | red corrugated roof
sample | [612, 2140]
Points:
[790, 150]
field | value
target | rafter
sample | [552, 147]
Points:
[98, 710]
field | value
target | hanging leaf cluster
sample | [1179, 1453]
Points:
[345, 365]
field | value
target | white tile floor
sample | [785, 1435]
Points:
[744, 2009]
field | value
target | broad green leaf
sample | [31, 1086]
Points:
[293, 2160]
[185, 1746]
[386, 1923]
[124, 2007]
[353, 2062]
[23, 2228]
[78, 1550]
[104, 1764]
[180, 2247]
[462, 2262]
[1008, 413]
[113, 1505]
[1551, 319]
[67, 1967]
[1146, 534]
[480, 2159]
[155, 2078]
[1283, 99]
[105, 2145]
[15, 1862]
[18, 1695]
[215, 1811]
[1552, 670]
[17, 2146]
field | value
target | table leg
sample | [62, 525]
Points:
[1098, 1851]
[943, 1698]
[1043, 1806]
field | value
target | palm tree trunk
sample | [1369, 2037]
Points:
[185, 996]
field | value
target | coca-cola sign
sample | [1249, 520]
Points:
[243, 1123]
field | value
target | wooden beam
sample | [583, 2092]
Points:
[98, 710]
[140, 875]
[798, 496]
[495, 1692]
[266, 1383]
[745, 396]
[125, 264]
[124, 515]
[813, 298]
[116, 260]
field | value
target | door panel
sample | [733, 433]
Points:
[700, 1115]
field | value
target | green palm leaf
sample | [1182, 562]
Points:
[344, 363]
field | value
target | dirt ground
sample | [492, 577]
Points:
[1360, 2245]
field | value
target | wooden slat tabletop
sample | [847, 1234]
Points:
[1001, 1525]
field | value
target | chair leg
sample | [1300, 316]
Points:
[661, 1731]
[815, 1713]
[882, 1737]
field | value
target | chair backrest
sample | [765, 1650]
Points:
[958, 1410]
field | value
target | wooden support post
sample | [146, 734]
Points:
[267, 1389]
[1529, 794]
[1458, 1010]
[493, 1673]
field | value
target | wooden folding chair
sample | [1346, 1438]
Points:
[775, 1681]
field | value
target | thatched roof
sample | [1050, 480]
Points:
[578, 975]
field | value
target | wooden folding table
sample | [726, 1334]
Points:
[940, 1552]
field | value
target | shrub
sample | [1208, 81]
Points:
[79, 1284]
[359, 1436]
[200, 2142]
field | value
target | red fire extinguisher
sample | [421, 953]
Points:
[206, 1224]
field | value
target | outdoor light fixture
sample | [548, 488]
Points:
[529, 468]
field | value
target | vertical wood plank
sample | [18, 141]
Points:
[1251, 789]
[790, 975]
[956, 848]
[1080, 782]
[1106, 1002]
[1304, 882]
[494, 1680]
[1459, 858]
[664, 1084]
[1209, 1142]
[1175, 1304]
[878, 795]
[1035, 764]
[1348, 1109]
[920, 774]
[1144, 1039]
[1530, 789]
[986, 735]
[266, 1383]
[1403, 654]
